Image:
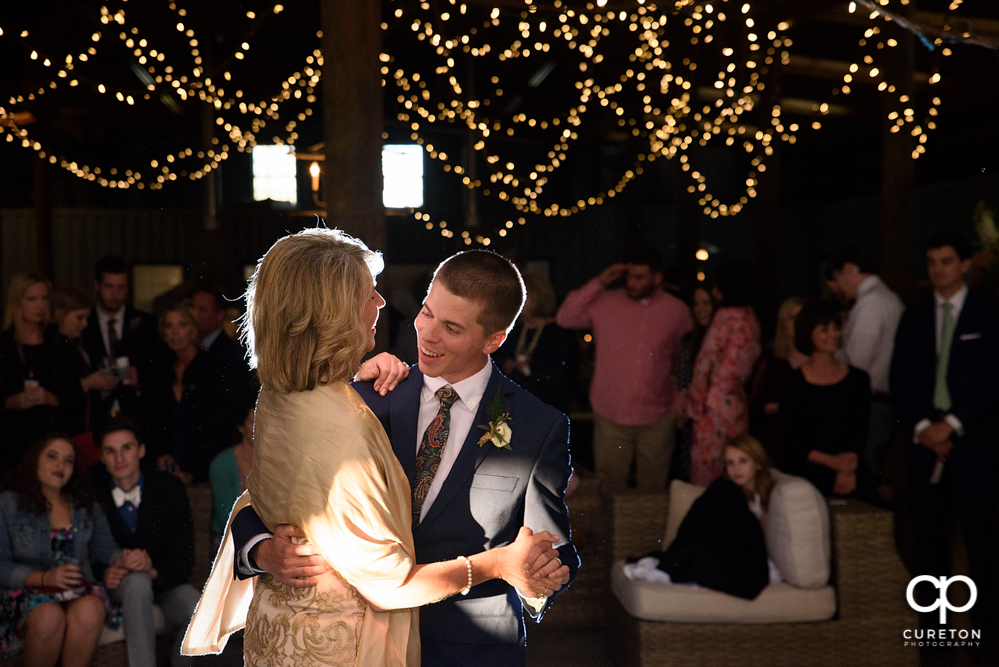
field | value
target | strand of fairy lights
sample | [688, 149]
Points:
[592, 200]
[306, 78]
[649, 54]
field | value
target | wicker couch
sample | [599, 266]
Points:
[868, 577]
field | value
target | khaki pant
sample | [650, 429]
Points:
[651, 446]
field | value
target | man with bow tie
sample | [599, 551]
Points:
[150, 518]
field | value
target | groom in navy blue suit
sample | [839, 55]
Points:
[481, 493]
[945, 379]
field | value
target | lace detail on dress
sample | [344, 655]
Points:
[303, 627]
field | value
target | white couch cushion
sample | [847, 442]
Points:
[681, 603]
[797, 533]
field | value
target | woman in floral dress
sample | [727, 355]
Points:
[51, 529]
[716, 402]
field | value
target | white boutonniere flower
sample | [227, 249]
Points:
[498, 430]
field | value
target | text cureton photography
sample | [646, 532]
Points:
[943, 636]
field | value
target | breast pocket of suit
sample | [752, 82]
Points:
[491, 499]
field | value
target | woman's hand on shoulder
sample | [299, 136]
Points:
[387, 370]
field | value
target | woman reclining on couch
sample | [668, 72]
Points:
[720, 543]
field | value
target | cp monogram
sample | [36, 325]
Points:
[942, 603]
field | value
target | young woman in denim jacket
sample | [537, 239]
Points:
[51, 529]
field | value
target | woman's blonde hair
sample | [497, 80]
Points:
[752, 447]
[19, 284]
[186, 310]
[303, 324]
[784, 340]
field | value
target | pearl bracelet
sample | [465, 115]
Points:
[468, 564]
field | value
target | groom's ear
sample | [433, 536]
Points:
[493, 342]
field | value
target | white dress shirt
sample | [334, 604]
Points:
[470, 395]
[869, 332]
[119, 327]
[956, 302]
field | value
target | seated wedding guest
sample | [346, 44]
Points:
[237, 381]
[70, 311]
[120, 337]
[824, 408]
[720, 543]
[702, 306]
[228, 473]
[150, 518]
[52, 533]
[539, 355]
[716, 400]
[39, 386]
[182, 396]
[772, 370]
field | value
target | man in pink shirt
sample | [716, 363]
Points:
[637, 331]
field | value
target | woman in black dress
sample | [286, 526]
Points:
[767, 383]
[39, 387]
[185, 395]
[824, 408]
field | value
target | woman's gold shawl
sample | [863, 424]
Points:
[322, 461]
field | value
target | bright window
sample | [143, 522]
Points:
[274, 173]
[402, 170]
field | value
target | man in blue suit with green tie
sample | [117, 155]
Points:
[945, 379]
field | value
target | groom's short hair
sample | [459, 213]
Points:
[489, 279]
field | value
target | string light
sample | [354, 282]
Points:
[666, 115]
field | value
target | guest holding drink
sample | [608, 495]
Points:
[39, 386]
[71, 309]
[52, 532]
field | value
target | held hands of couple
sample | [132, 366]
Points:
[387, 370]
[537, 571]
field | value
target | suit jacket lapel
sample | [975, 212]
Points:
[404, 417]
[471, 455]
[147, 508]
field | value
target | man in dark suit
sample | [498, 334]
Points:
[120, 337]
[238, 383]
[483, 485]
[945, 379]
[150, 518]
